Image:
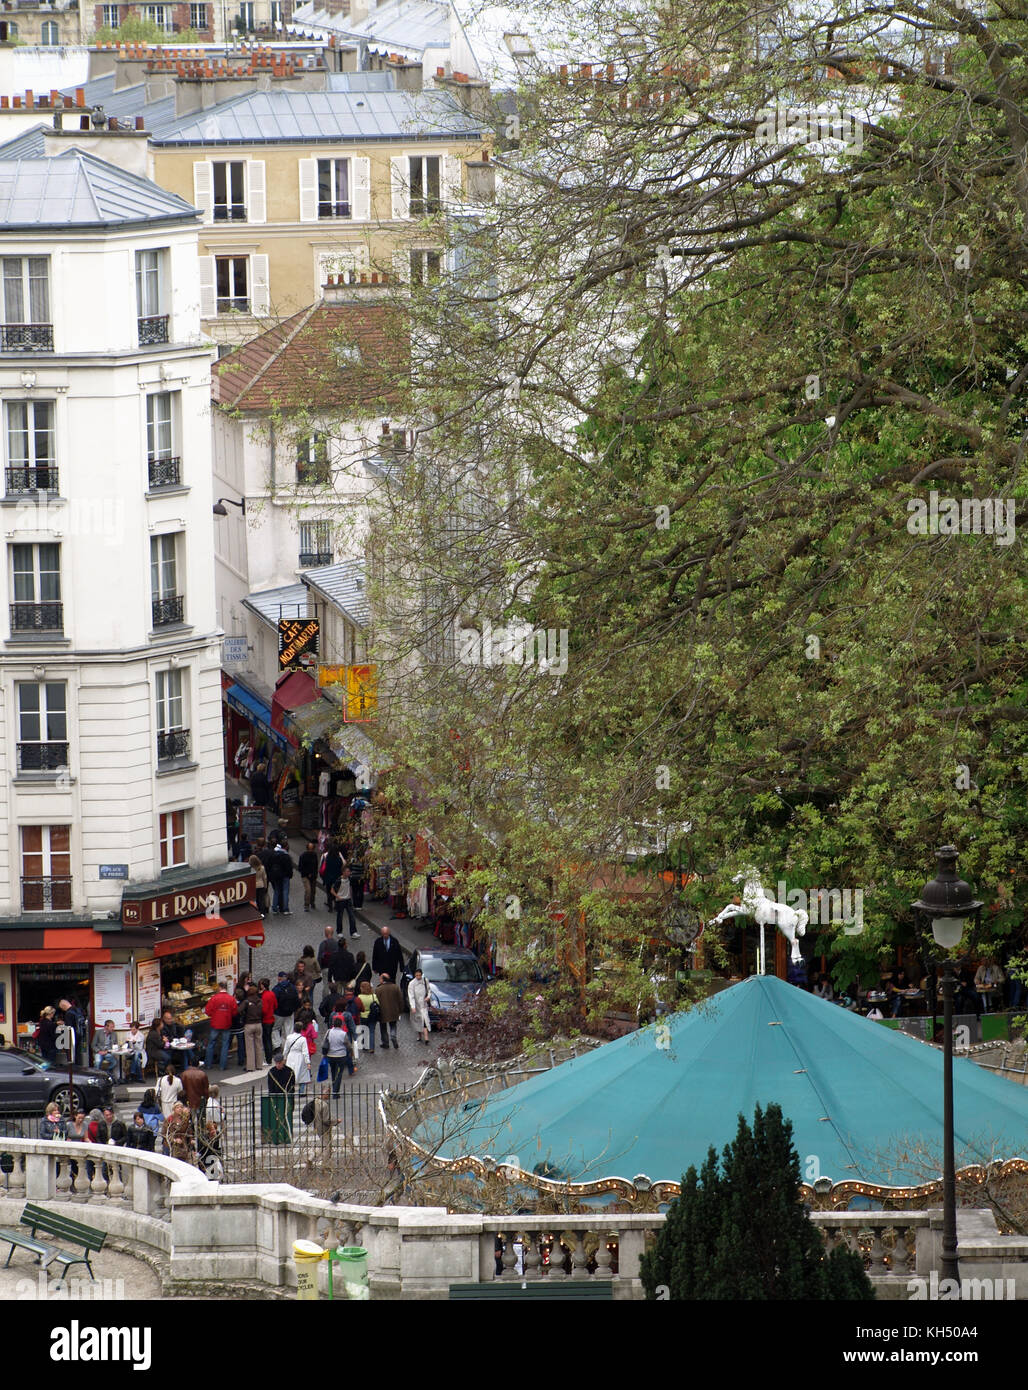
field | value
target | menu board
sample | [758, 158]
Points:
[226, 963]
[148, 990]
[112, 995]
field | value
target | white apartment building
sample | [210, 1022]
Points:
[111, 785]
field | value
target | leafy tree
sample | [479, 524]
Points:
[738, 1230]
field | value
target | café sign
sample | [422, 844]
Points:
[187, 902]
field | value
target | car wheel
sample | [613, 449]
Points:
[69, 1098]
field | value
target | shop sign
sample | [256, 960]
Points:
[297, 643]
[361, 694]
[187, 902]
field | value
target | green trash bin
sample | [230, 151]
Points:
[277, 1119]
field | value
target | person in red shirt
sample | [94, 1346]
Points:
[221, 1010]
[268, 1002]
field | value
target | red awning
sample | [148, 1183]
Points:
[54, 946]
[295, 691]
[194, 932]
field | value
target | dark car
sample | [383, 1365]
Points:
[27, 1085]
[452, 974]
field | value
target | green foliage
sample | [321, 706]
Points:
[738, 1230]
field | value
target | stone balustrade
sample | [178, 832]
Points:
[213, 1237]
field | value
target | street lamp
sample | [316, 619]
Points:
[948, 901]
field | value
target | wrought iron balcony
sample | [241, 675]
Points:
[153, 329]
[42, 757]
[308, 558]
[26, 337]
[167, 610]
[37, 617]
[32, 477]
[171, 744]
[164, 472]
[39, 894]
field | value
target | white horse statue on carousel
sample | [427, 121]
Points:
[759, 905]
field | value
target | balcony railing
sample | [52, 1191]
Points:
[315, 557]
[37, 617]
[42, 757]
[38, 894]
[33, 477]
[165, 472]
[153, 329]
[171, 744]
[26, 337]
[167, 610]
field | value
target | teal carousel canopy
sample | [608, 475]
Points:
[865, 1101]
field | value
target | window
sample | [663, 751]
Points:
[312, 459]
[334, 188]
[231, 284]
[49, 34]
[46, 868]
[110, 16]
[229, 197]
[163, 465]
[424, 184]
[198, 17]
[425, 266]
[173, 839]
[172, 735]
[153, 325]
[26, 290]
[167, 602]
[42, 726]
[315, 543]
[30, 447]
[36, 587]
[159, 15]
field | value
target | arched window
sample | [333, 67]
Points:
[49, 34]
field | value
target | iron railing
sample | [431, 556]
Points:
[172, 743]
[42, 757]
[37, 617]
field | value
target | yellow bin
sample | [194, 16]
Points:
[307, 1256]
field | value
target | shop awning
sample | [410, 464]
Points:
[296, 690]
[53, 946]
[193, 932]
[251, 707]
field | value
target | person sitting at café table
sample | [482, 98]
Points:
[104, 1039]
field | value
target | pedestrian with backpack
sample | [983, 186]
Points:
[287, 1001]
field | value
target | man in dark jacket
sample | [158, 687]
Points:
[280, 868]
[343, 967]
[308, 867]
[386, 956]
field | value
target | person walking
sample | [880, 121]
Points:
[169, 1088]
[287, 1001]
[308, 867]
[268, 1002]
[387, 956]
[417, 996]
[46, 1035]
[260, 874]
[280, 870]
[342, 897]
[221, 1009]
[390, 1006]
[337, 1051]
[251, 1015]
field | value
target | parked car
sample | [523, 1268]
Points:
[27, 1085]
[452, 973]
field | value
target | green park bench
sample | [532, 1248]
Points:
[53, 1224]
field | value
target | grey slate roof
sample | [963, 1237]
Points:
[289, 601]
[344, 585]
[260, 118]
[74, 189]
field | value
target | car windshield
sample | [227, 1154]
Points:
[451, 970]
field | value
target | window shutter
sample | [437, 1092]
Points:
[400, 187]
[361, 174]
[203, 189]
[260, 290]
[451, 171]
[256, 202]
[308, 190]
[208, 296]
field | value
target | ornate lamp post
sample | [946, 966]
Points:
[948, 901]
